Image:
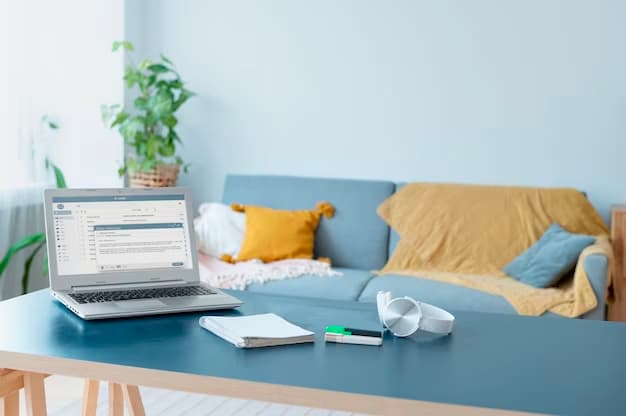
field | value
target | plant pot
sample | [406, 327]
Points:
[157, 177]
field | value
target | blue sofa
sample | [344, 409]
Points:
[358, 242]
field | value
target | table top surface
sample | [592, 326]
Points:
[546, 365]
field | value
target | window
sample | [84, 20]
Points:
[56, 62]
[15, 166]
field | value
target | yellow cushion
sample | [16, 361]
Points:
[276, 234]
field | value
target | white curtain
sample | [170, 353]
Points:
[55, 62]
[24, 139]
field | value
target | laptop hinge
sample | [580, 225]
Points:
[127, 286]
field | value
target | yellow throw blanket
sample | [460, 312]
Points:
[466, 234]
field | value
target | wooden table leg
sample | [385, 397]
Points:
[133, 399]
[90, 397]
[35, 393]
[116, 400]
[10, 405]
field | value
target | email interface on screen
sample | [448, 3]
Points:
[121, 233]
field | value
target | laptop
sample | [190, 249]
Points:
[125, 252]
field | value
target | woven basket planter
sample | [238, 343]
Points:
[157, 177]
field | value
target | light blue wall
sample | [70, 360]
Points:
[528, 92]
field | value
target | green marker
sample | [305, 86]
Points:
[342, 330]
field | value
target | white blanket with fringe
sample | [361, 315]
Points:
[224, 275]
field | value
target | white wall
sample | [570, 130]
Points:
[528, 92]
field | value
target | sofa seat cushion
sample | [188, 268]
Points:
[443, 295]
[345, 287]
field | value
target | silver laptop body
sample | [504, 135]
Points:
[125, 252]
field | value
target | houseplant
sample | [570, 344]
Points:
[148, 125]
[35, 241]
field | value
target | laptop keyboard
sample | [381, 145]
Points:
[132, 294]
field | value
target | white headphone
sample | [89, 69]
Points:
[404, 316]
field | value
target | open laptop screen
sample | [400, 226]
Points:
[120, 233]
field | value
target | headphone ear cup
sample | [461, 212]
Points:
[402, 316]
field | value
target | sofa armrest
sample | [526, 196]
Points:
[596, 266]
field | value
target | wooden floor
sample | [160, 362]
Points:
[63, 396]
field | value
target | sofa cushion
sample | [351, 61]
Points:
[550, 258]
[355, 238]
[277, 234]
[443, 295]
[346, 287]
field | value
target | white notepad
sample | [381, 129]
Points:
[252, 331]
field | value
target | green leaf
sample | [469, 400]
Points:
[20, 245]
[132, 165]
[182, 98]
[58, 176]
[167, 60]
[121, 172]
[170, 84]
[147, 165]
[120, 118]
[176, 84]
[172, 136]
[140, 146]
[152, 146]
[108, 111]
[27, 265]
[167, 150]
[131, 127]
[130, 82]
[145, 64]
[132, 76]
[170, 121]
[53, 125]
[161, 104]
[122, 43]
[141, 103]
[145, 82]
[158, 68]
[151, 118]
[162, 84]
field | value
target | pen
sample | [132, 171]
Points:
[352, 339]
[342, 330]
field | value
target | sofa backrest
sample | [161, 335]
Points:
[355, 237]
[394, 237]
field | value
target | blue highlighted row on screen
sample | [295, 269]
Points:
[109, 227]
[113, 198]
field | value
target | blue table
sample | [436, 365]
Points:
[511, 363]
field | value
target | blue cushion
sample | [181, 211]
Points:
[355, 237]
[346, 287]
[440, 294]
[550, 258]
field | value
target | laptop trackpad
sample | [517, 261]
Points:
[147, 304]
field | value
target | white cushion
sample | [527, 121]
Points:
[219, 229]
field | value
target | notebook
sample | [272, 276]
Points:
[264, 330]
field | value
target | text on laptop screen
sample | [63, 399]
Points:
[104, 234]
